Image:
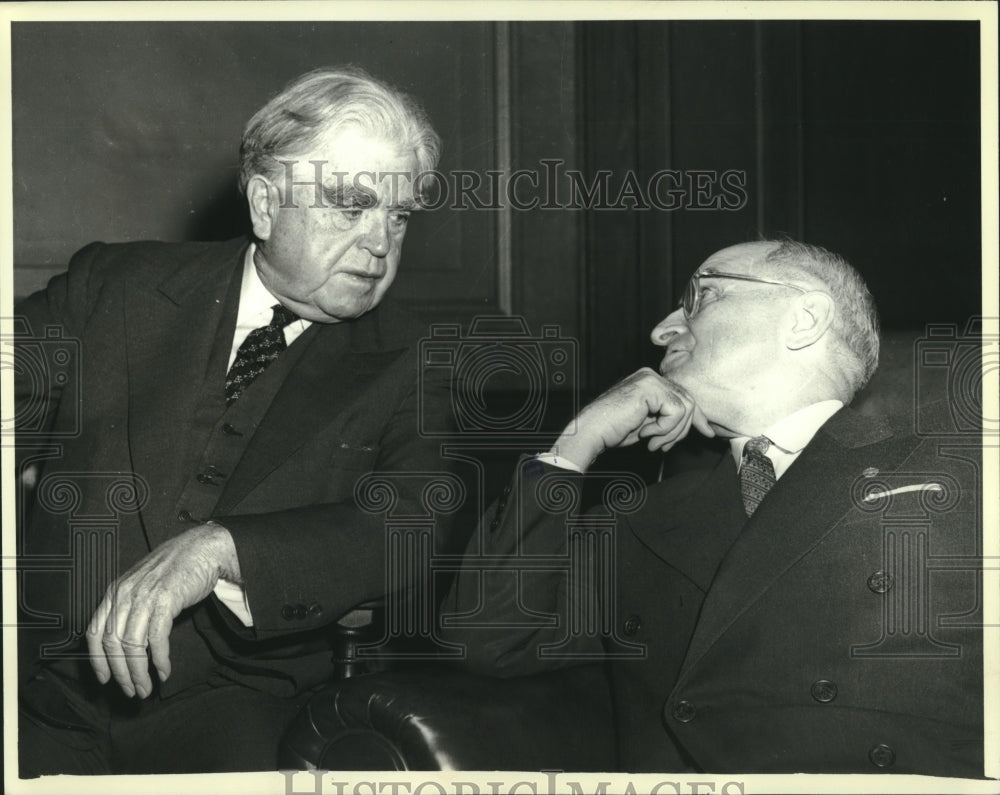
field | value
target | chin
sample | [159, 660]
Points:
[685, 378]
[675, 373]
[354, 311]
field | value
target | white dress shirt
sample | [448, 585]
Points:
[789, 435]
[256, 308]
[255, 311]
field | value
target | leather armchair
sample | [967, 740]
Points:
[439, 718]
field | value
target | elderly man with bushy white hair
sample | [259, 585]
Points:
[230, 396]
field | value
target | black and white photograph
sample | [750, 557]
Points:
[529, 398]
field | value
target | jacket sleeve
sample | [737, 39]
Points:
[522, 600]
[47, 329]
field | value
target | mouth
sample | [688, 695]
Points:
[672, 358]
[360, 276]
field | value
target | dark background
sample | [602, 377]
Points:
[859, 136]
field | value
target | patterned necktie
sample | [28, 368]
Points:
[756, 473]
[258, 350]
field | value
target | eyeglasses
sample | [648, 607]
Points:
[691, 302]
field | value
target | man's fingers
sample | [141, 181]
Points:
[664, 441]
[664, 424]
[674, 426]
[672, 421]
[134, 644]
[95, 637]
[120, 648]
[643, 429]
[696, 416]
[630, 439]
[137, 663]
[159, 642]
[115, 655]
[700, 421]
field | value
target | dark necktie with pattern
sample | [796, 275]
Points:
[756, 473]
[258, 350]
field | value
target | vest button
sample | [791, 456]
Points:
[880, 582]
[684, 711]
[206, 480]
[632, 625]
[823, 690]
[185, 516]
[230, 430]
[882, 755]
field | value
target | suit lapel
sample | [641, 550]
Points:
[801, 509]
[337, 363]
[172, 329]
[691, 521]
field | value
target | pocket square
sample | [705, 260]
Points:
[879, 495]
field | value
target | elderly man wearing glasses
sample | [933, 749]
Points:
[783, 611]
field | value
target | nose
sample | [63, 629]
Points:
[672, 325]
[375, 232]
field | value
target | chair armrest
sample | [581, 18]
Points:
[444, 719]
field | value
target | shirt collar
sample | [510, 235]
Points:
[255, 300]
[792, 433]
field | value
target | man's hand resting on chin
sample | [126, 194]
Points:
[645, 405]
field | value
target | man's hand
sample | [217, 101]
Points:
[644, 405]
[139, 608]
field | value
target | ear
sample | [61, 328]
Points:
[810, 320]
[264, 203]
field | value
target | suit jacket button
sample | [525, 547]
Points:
[230, 430]
[494, 524]
[206, 480]
[823, 690]
[882, 755]
[315, 609]
[300, 611]
[880, 582]
[632, 625]
[287, 612]
[683, 711]
[185, 516]
[506, 491]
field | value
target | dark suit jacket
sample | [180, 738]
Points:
[828, 633]
[146, 448]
